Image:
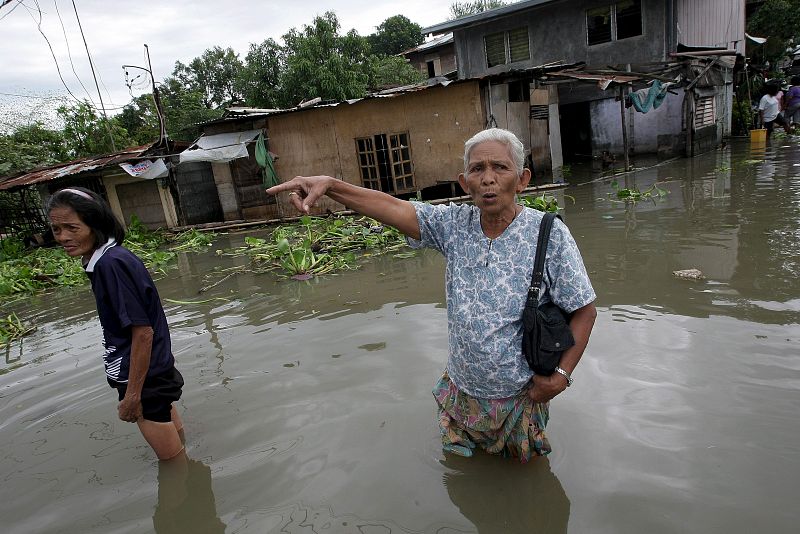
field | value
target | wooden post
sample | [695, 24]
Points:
[624, 128]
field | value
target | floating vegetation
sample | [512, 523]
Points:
[12, 328]
[543, 202]
[24, 271]
[634, 195]
[315, 246]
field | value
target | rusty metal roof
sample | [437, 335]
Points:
[71, 168]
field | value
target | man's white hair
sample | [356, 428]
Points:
[501, 136]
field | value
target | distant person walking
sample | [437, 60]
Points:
[769, 110]
[138, 353]
[792, 103]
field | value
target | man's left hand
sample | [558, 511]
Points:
[130, 409]
[543, 388]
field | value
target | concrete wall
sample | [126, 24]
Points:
[658, 130]
[152, 214]
[557, 32]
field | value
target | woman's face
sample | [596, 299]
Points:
[71, 232]
[491, 178]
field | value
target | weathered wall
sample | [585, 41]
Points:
[557, 32]
[438, 121]
[152, 203]
[658, 130]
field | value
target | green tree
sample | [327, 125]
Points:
[395, 34]
[184, 109]
[259, 80]
[322, 63]
[213, 75]
[392, 71]
[87, 134]
[779, 21]
[464, 9]
[140, 120]
[31, 146]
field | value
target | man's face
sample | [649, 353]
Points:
[491, 178]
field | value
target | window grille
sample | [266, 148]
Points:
[704, 113]
[385, 162]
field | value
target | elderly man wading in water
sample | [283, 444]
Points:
[488, 396]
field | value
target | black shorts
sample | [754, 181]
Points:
[778, 120]
[158, 394]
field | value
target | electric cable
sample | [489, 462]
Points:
[69, 53]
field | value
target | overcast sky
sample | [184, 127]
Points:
[174, 30]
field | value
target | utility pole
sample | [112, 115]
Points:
[162, 126]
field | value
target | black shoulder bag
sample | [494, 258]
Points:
[545, 334]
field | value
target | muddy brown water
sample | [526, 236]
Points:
[308, 407]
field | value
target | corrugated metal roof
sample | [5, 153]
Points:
[433, 43]
[74, 167]
[478, 18]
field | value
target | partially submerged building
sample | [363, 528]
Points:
[623, 43]
[141, 181]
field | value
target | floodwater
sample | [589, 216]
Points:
[308, 407]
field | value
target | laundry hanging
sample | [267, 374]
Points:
[645, 99]
[264, 160]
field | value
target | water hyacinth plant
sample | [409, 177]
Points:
[319, 245]
[633, 195]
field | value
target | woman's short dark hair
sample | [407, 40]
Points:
[92, 210]
[771, 89]
[795, 80]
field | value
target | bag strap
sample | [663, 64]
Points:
[541, 249]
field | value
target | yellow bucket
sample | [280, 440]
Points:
[758, 136]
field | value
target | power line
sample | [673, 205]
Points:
[91, 64]
[69, 53]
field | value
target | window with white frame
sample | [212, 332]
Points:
[507, 47]
[620, 20]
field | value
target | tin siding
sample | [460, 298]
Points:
[711, 23]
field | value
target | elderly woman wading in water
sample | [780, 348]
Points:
[138, 356]
[488, 396]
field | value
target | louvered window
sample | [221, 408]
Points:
[614, 22]
[518, 45]
[598, 25]
[704, 112]
[629, 19]
[507, 47]
[495, 49]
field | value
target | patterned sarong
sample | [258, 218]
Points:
[513, 426]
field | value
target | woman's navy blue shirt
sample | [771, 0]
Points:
[126, 296]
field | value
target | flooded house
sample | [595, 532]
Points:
[141, 181]
[625, 47]
[407, 142]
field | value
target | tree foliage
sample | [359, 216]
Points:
[30, 146]
[317, 60]
[779, 21]
[322, 63]
[87, 134]
[259, 80]
[392, 71]
[395, 34]
[465, 9]
[213, 75]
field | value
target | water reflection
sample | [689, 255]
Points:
[186, 501]
[498, 495]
